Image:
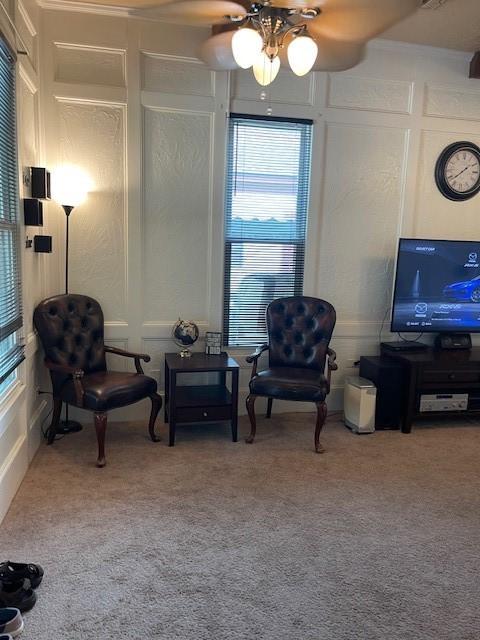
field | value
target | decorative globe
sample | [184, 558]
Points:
[185, 333]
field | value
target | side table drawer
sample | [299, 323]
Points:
[446, 375]
[203, 414]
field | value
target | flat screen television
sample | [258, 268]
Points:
[437, 286]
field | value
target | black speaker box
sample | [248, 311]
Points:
[33, 212]
[40, 183]
[42, 244]
[388, 376]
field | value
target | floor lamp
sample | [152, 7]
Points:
[69, 189]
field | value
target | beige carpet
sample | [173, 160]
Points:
[377, 539]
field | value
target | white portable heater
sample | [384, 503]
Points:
[359, 404]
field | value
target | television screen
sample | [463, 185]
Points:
[437, 286]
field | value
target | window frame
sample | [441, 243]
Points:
[11, 378]
[301, 219]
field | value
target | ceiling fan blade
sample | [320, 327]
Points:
[199, 12]
[216, 52]
[359, 20]
[296, 4]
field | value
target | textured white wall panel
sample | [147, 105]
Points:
[361, 208]
[435, 216]
[369, 94]
[92, 136]
[89, 65]
[453, 102]
[176, 195]
[174, 75]
[287, 88]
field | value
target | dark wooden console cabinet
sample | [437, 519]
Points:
[433, 372]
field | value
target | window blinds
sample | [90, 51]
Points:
[11, 353]
[267, 191]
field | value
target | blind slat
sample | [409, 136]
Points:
[267, 193]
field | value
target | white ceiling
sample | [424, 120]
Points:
[455, 24]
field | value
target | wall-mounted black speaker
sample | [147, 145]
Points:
[41, 183]
[33, 212]
[42, 244]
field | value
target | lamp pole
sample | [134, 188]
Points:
[68, 426]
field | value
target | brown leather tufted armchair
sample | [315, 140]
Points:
[299, 332]
[71, 330]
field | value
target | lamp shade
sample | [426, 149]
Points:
[266, 70]
[246, 47]
[70, 185]
[302, 53]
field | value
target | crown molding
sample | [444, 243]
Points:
[85, 7]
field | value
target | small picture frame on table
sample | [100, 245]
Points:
[213, 342]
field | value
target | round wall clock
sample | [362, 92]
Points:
[457, 172]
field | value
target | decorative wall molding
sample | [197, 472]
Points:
[85, 64]
[456, 102]
[369, 94]
[85, 7]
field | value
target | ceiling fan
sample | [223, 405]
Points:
[308, 35]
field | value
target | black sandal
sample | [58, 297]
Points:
[16, 571]
[17, 594]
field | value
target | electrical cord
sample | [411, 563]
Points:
[398, 332]
[410, 339]
[383, 322]
[45, 432]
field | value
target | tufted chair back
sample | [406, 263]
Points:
[70, 327]
[299, 331]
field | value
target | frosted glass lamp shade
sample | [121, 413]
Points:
[302, 53]
[246, 47]
[266, 70]
[70, 185]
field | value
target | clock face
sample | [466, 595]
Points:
[462, 171]
[457, 171]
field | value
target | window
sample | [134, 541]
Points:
[11, 353]
[268, 171]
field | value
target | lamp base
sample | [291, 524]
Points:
[69, 426]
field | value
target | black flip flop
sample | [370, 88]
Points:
[17, 594]
[16, 571]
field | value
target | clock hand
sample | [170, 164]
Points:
[458, 174]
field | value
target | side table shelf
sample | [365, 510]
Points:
[200, 403]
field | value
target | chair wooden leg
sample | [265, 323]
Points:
[57, 410]
[321, 417]
[156, 406]
[253, 421]
[269, 408]
[100, 428]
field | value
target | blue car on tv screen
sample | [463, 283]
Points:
[466, 291]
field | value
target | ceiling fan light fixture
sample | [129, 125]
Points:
[302, 53]
[265, 69]
[246, 47]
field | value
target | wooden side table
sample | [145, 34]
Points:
[200, 403]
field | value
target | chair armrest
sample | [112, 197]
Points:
[332, 356]
[76, 373]
[253, 357]
[128, 354]
[331, 365]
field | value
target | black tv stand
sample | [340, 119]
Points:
[402, 346]
[438, 372]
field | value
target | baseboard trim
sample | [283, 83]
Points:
[12, 472]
